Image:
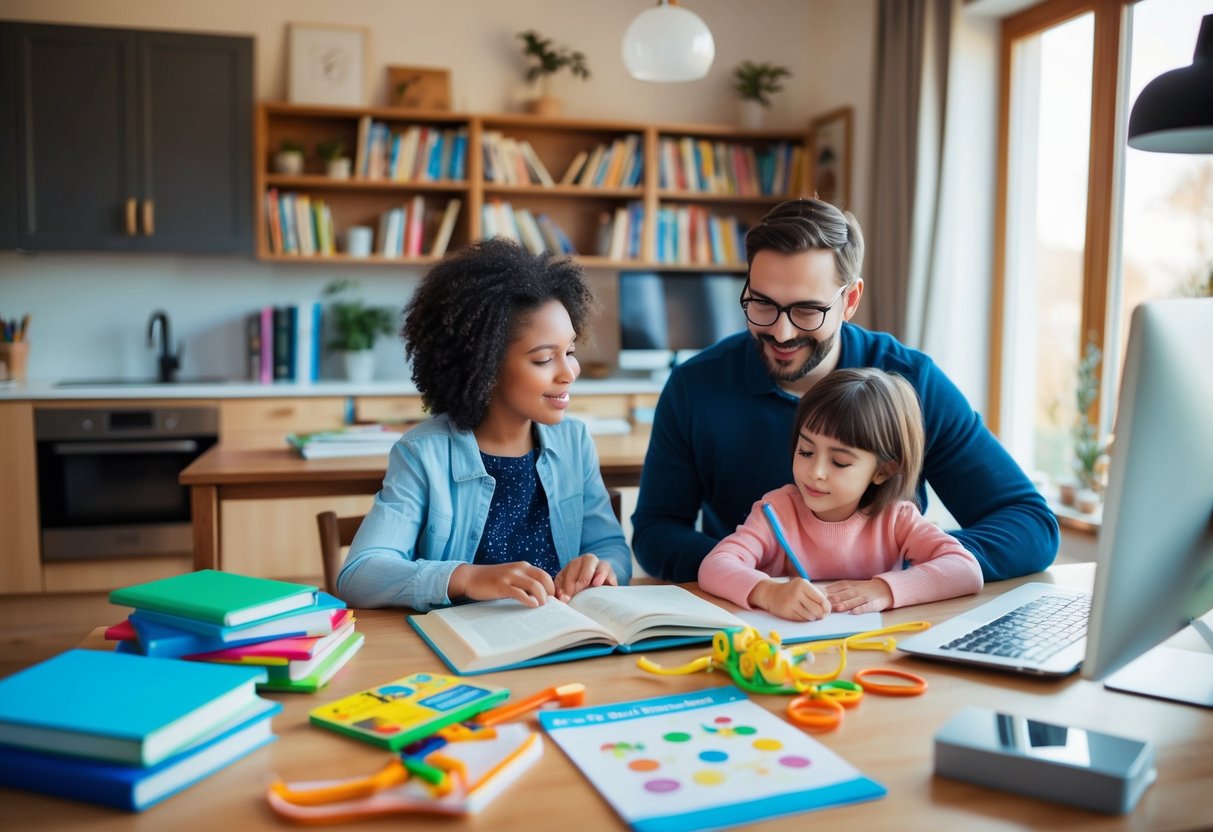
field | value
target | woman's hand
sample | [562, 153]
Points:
[796, 599]
[860, 596]
[519, 580]
[584, 572]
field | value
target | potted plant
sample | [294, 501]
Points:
[289, 158]
[1087, 447]
[333, 153]
[355, 326]
[546, 61]
[755, 83]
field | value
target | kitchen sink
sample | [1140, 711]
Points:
[140, 382]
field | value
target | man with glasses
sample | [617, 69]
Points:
[720, 435]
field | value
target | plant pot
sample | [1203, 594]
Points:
[340, 168]
[547, 106]
[752, 114]
[1086, 500]
[1067, 491]
[359, 365]
[289, 162]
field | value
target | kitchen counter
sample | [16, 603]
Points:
[35, 390]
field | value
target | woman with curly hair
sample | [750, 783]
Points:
[496, 495]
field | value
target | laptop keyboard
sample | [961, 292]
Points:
[1032, 632]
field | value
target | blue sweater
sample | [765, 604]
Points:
[721, 437]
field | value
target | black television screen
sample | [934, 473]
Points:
[663, 316]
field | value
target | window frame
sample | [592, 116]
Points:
[1104, 172]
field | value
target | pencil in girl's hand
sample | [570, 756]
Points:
[783, 541]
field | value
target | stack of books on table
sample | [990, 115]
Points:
[298, 636]
[126, 731]
[356, 440]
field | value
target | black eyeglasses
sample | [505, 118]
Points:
[807, 317]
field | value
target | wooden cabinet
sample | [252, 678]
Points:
[20, 560]
[389, 409]
[264, 423]
[683, 193]
[125, 140]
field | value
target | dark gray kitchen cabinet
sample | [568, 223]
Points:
[126, 140]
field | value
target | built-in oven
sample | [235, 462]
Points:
[107, 479]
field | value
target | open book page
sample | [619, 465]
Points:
[631, 613]
[502, 632]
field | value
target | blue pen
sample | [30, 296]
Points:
[783, 541]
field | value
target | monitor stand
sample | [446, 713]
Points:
[1180, 674]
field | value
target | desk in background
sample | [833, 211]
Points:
[889, 739]
[222, 474]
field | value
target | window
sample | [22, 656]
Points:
[1089, 228]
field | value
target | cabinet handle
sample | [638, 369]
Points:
[131, 210]
[149, 217]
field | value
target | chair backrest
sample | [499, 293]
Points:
[338, 532]
[335, 533]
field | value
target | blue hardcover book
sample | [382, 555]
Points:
[164, 642]
[317, 340]
[315, 620]
[135, 788]
[459, 155]
[112, 706]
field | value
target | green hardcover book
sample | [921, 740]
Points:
[223, 598]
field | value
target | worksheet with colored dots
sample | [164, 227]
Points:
[707, 759]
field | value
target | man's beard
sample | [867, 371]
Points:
[818, 350]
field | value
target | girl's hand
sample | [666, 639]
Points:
[796, 600]
[584, 572]
[860, 596]
[520, 580]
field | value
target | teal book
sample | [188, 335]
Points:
[338, 658]
[115, 706]
[224, 598]
[135, 788]
[313, 620]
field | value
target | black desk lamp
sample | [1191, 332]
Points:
[1174, 113]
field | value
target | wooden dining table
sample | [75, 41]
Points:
[225, 473]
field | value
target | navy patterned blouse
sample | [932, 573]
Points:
[519, 527]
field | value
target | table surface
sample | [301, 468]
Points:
[889, 739]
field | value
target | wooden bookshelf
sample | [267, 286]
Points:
[579, 209]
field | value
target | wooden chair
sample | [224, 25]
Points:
[338, 532]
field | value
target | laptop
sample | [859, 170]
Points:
[1036, 628]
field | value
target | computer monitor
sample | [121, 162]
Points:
[666, 317]
[1155, 561]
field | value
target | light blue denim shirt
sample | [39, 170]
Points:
[430, 514]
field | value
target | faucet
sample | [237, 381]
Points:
[169, 361]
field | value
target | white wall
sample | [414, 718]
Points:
[90, 310]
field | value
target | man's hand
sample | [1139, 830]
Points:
[796, 599]
[860, 596]
[520, 580]
[584, 572]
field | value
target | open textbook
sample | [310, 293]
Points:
[504, 634]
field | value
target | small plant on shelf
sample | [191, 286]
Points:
[545, 61]
[758, 82]
[1087, 447]
[356, 325]
[289, 158]
[333, 153]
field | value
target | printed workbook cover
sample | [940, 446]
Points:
[707, 759]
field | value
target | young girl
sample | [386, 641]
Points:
[496, 495]
[857, 451]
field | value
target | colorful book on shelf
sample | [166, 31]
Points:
[320, 670]
[136, 788]
[394, 714]
[487, 767]
[442, 237]
[225, 598]
[111, 706]
[316, 620]
[267, 345]
[574, 169]
[706, 759]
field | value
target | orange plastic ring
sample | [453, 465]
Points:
[917, 686]
[799, 708]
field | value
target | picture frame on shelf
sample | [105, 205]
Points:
[326, 64]
[830, 156]
[419, 88]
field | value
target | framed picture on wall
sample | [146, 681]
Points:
[327, 64]
[830, 157]
[419, 87]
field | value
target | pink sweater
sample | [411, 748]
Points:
[857, 548]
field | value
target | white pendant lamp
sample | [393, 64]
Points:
[668, 43]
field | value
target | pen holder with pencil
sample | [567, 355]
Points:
[14, 357]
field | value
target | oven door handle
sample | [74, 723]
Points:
[155, 446]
